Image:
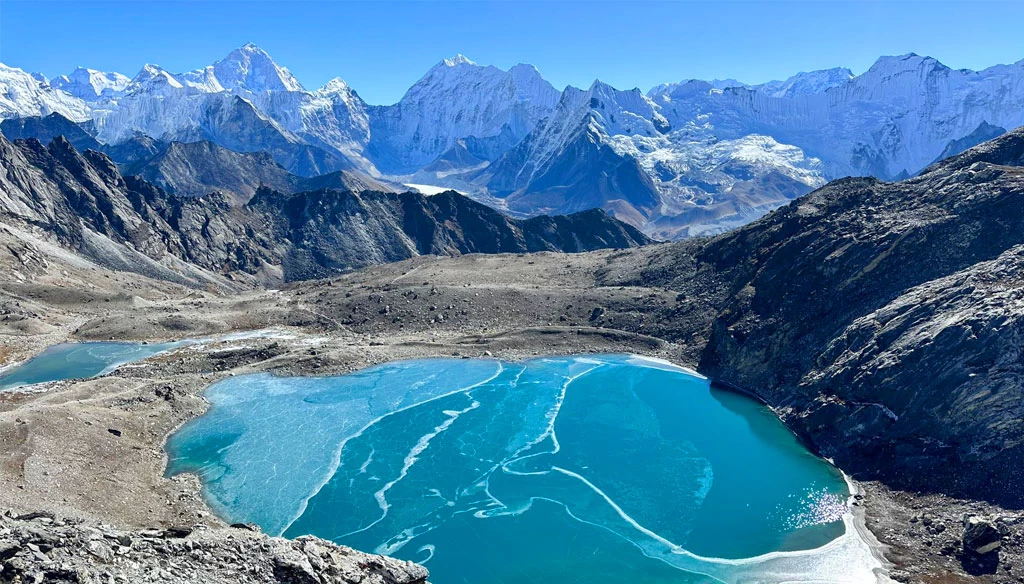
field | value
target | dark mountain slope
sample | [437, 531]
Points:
[193, 169]
[80, 135]
[49, 127]
[199, 168]
[568, 183]
[127, 223]
[329, 231]
[984, 132]
[235, 125]
[882, 320]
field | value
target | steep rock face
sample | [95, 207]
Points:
[459, 99]
[882, 321]
[137, 149]
[198, 168]
[128, 223]
[984, 132]
[125, 223]
[47, 128]
[329, 231]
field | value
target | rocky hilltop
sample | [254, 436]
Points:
[82, 200]
[38, 547]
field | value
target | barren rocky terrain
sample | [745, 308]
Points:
[880, 321]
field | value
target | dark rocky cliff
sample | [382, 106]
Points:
[883, 321]
[130, 224]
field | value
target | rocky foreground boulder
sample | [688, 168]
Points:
[982, 535]
[40, 548]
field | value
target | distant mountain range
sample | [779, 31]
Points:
[681, 159]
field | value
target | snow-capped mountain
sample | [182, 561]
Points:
[614, 149]
[27, 94]
[248, 69]
[684, 158]
[890, 121]
[459, 99]
[806, 83]
[245, 102]
[90, 84]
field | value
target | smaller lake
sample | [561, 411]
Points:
[592, 469]
[78, 361]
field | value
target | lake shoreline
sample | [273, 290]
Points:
[289, 350]
[57, 455]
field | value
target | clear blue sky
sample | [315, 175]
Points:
[381, 48]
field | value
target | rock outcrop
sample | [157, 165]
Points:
[42, 548]
[982, 535]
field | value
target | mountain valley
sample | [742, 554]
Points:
[844, 249]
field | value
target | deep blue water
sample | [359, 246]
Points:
[77, 361]
[578, 469]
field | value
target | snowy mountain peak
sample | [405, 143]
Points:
[250, 69]
[602, 91]
[155, 79]
[455, 61]
[458, 99]
[336, 85]
[26, 94]
[807, 83]
[910, 62]
[524, 73]
[90, 84]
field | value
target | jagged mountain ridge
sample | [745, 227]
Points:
[81, 201]
[190, 169]
[716, 154]
[195, 169]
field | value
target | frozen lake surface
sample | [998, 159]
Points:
[595, 469]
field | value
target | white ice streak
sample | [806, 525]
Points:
[336, 461]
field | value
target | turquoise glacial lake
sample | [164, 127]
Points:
[595, 469]
[77, 361]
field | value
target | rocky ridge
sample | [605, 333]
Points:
[39, 547]
[127, 223]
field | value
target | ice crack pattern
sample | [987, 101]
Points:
[608, 468]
